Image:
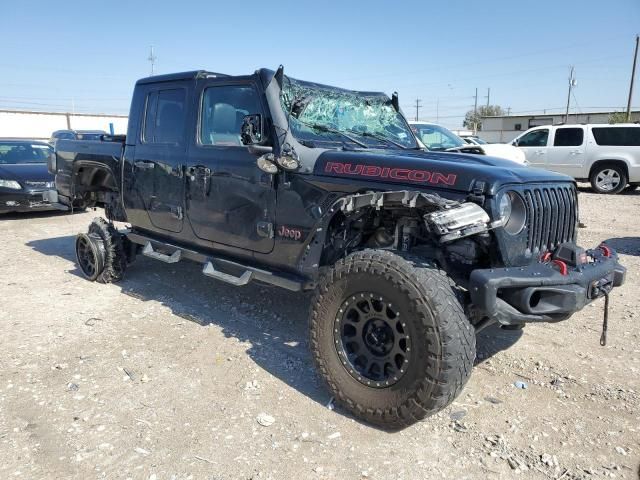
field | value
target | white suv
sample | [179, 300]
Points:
[606, 155]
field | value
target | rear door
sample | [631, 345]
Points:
[229, 199]
[158, 176]
[534, 146]
[567, 153]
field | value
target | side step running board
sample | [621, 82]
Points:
[210, 271]
[148, 251]
[213, 264]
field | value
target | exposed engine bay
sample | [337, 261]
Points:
[454, 234]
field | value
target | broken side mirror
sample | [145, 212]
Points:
[251, 132]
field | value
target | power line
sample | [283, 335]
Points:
[418, 106]
[152, 58]
[633, 75]
[572, 83]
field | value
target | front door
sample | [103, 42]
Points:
[158, 178]
[568, 151]
[229, 199]
[534, 146]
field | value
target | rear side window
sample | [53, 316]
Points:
[617, 136]
[537, 138]
[64, 136]
[164, 118]
[568, 137]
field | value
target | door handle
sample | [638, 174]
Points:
[576, 152]
[205, 173]
[539, 152]
[144, 164]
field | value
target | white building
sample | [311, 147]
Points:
[505, 128]
[40, 125]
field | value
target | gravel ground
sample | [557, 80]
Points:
[169, 375]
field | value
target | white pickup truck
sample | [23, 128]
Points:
[440, 139]
[606, 155]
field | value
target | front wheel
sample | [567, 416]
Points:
[390, 338]
[608, 178]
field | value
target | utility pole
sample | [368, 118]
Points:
[572, 83]
[475, 112]
[488, 96]
[152, 58]
[418, 106]
[633, 75]
[437, 109]
[508, 111]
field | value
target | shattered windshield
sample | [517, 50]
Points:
[326, 117]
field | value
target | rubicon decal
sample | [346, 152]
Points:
[405, 174]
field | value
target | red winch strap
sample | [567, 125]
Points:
[561, 266]
[606, 251]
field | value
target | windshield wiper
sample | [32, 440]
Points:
[324, 128]
[379, 137]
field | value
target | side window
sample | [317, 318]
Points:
[617, 136]
[222, 112]
[537, 138]
[164, 117]
[568, 137]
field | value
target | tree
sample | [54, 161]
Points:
[473, 121]
[618, 117]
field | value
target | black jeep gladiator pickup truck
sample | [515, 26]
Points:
[305, 186]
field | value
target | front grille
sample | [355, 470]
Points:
[551, 216]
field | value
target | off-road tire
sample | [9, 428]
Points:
[443, 340]
[115, 261]
[608, 166]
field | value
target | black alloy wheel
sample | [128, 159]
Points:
[90, 255]
[371, 340]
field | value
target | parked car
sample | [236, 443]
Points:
[311, 187]
[24, 179]
[473, 140]
[76, 135]
[440, 139]
[606, 155]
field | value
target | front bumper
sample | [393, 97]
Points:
[26, 201]
[542, 293]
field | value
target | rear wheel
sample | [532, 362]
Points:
[390, 338]
[100, 253]
[608, 178]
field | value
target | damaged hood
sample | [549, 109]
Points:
[440, 170]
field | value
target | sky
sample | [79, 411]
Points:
[86, 56]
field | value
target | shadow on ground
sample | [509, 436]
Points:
[272, 320]
[34, 214]
[625, 245]
[586, 188]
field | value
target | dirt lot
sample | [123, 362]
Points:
[164, 375]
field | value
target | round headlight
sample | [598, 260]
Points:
[505, 208]
[516, 217]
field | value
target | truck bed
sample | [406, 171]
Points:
[85, 163]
